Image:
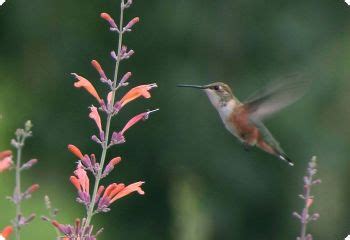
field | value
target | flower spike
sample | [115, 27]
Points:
[83, 82]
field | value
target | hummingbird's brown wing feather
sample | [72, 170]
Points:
[275, 96]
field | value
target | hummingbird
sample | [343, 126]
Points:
[244, 120]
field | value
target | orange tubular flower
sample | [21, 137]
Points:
[83, 82]
[121, 191]
[136, 92]
[5, 160]
[136, 119]
[73, 149]
[6, 233]
[114, 192]
[82, 183]
[82, 179]
[5, 154]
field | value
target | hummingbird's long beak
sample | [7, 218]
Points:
[192, 86]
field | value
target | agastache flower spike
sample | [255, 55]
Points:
[110, 20]
[83, 82]
[102, 197]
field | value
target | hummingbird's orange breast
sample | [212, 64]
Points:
[246, 130]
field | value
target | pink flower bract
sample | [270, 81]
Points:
[96, 117]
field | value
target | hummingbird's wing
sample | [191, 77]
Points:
[275, 96]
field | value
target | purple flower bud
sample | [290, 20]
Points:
[117, 138]
[126, 77]
[86, 161]
[29, 164]
[114, 55]
[96, 139]
[102, 136]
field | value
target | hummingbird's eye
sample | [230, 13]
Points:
[216, 88]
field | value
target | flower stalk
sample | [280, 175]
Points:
[305, 217]
[18, 196]
[101, 198]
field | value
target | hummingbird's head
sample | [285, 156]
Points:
[219, 93]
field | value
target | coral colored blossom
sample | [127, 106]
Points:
[110, 20]
[82, 184]
[94, 115]
[98, 68]
[5, 160]
[73, 149]
[33, 188]
[135, 120]
[136, 92]
[82, 180]
[132, 22]
[5, 154]
[6, 233]
[116, 191]
[84, 83]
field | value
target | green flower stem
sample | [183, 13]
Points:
[18, 189]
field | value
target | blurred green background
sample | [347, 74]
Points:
[200, 183]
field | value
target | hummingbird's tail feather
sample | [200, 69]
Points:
[275, 150]
[284, 157]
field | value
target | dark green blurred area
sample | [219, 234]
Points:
[200, 183]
